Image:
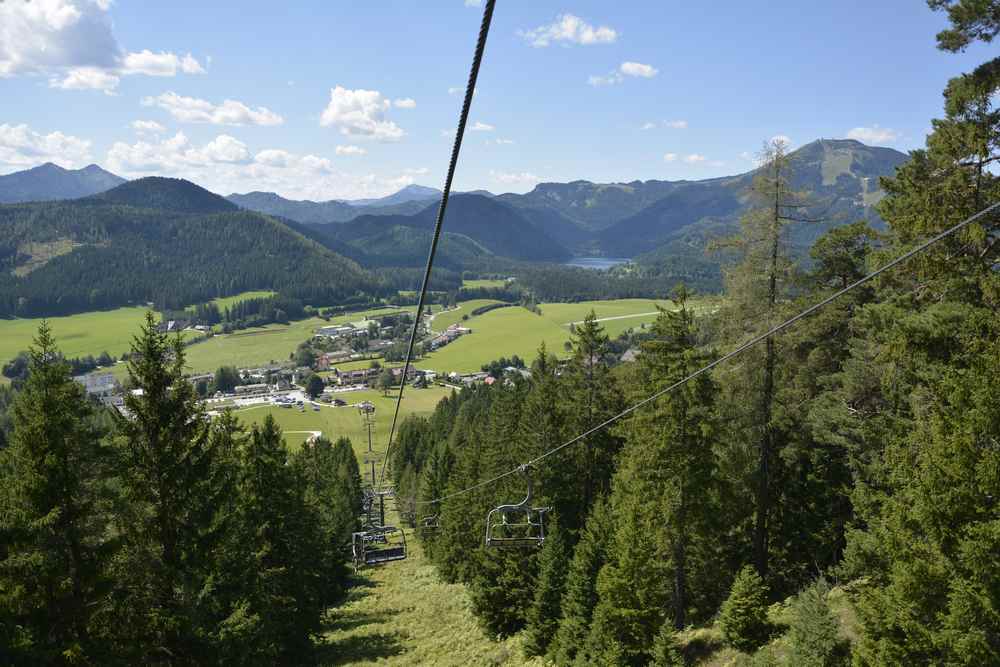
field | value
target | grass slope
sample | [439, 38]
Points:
[515, 330]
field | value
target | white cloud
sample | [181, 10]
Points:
[273, 157]
[473, 3]
[629, 68]
[648, 126]
[72, 41]
[225, 148]
[568, 29]
[350, 150]
[670, 157]
[160, 64]
[405, 103]
[479, 126]
[360, 113]
[86, 78]
[499, 141]
[230, 112]
[416, 171]
[20, 146]
[222, 166]
[873, 135]
[694, 158]
[148, 126]
[514, 178]
[676, 124]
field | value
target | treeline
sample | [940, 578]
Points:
[163, 537]
[134, 256]
[857, 446]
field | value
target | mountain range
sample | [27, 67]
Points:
[50, 181]
[169, 239]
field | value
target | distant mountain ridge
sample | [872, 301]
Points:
[49, 182]
[410, 199]
[160, 240]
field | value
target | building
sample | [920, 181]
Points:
[337, 330]
[101, 386]
[250, 389]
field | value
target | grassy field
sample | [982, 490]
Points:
[345, 421]
[515, 330]
[475, 284]
[227, 301]
[76, 335]
[403, 614]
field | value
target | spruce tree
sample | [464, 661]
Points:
[666, 650]
[580, 596]
[276, 553]
[53, 516]
[813, 637]
[743, 616]
[543, 617]
[173, 481]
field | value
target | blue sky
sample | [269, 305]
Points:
[356, 99]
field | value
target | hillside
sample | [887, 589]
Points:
[168, 194]
[50, 182]
[103, 252]
[409, 200]
[496, 227]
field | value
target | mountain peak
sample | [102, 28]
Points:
[170, 194]
[49, 181]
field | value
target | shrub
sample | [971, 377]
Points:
[744, 613]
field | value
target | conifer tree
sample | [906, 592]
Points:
[173, 481]
[814, 633]
[580, 596]
[666, 651]
[545, 611]
[277, 551]
[53, 516]
[743, 616]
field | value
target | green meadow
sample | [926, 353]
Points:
[345, 421]
[476, 284]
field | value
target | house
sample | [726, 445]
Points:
[335, 331]
[397, 372]
[511, 370]
[99, 385]
[250, 389]
[172, 326]
[630, 354]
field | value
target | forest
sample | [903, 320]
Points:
[859, 448]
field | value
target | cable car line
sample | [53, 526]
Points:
[750, 343]
[470, 89]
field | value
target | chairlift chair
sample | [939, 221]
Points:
[519, 525]
[379, 545]
[431, 522]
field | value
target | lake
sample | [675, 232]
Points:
[600, 263]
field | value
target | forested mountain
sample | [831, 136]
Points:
[411, 193]
[167, 194]
[50, 181]
[496, 227]
[409, 200]
[65, 257]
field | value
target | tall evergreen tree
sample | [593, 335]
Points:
[546, 609]
[278, 552]
[173, 483]
[53, 515]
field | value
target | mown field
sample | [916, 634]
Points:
[345, 421]
[515, 330]
[476, 284]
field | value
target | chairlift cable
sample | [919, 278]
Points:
[470, 90]
[742, 348]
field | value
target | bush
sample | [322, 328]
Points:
[744, 614]
[666, 651]
[814, 633]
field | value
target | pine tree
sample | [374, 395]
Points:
[814, 635]
[277, 549]
[53, 515]
[580, 596]
[173, 481]
[666, 651]
[543, 617]
[743, 616]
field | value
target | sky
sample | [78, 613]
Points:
[343, 99]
